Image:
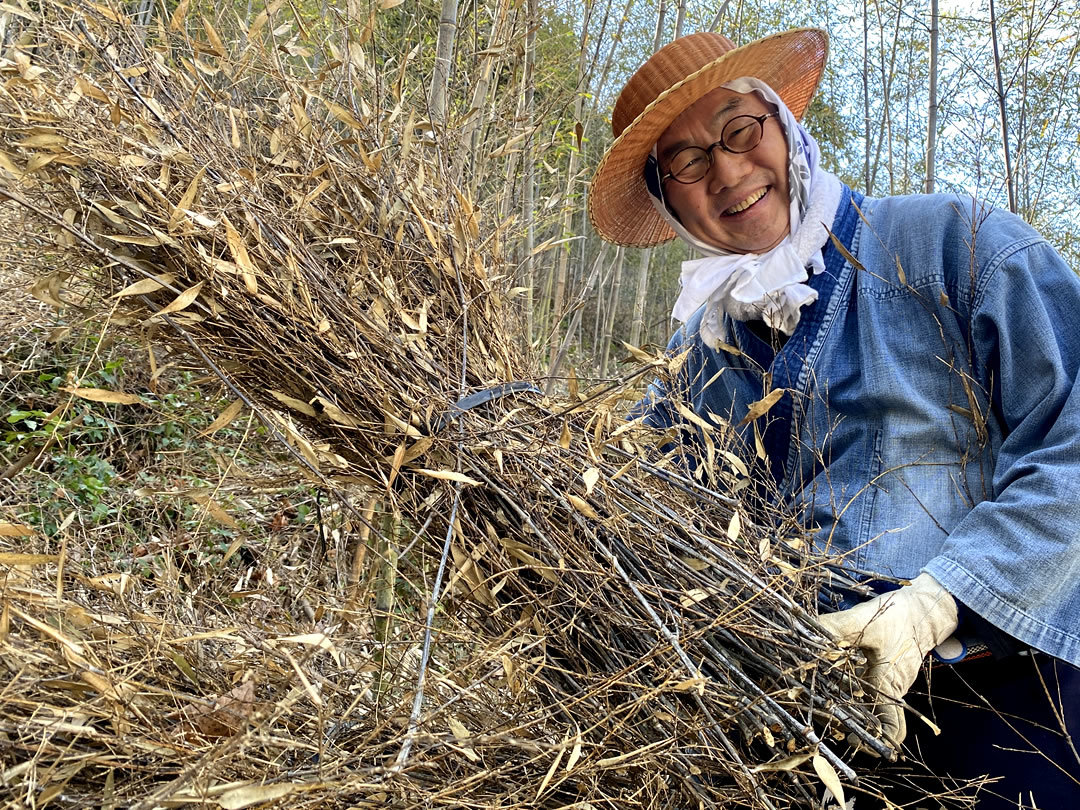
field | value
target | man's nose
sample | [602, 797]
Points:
[727, 169]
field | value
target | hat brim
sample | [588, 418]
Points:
[791, 62]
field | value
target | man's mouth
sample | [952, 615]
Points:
[753, 198]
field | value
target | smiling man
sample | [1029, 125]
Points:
[927, 349]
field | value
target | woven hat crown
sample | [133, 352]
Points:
[665, 68]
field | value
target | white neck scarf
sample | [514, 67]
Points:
[768, 286]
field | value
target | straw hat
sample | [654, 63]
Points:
[674, 78]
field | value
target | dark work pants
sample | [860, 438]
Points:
[1004, 719]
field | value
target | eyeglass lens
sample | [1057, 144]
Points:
[741, 134]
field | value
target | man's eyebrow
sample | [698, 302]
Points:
[732, 103]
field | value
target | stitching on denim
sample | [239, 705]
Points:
[866, 523]
[931, 285]
[996, 262]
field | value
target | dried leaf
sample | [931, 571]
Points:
[734, 526]
[845, 252]
[177, 19]
[225, 417]
[43, 140]
[241, 797]
[185, 667]
[214, 508]
[47, 289]
[828, 776]
[786, 764]
[240, 255]
[575, 754]
[228, 714]
[335, 414]
[564, 437]
[145, 241]
[186, 201]
[457, 728]
[761, 407]
[101, 395]
[182, 301]
[234, 128]
[8, 165]
[736, 463]
[343, 115]
[693, 596]
[551, 772]
[215, 40]
[643, 356]
[15, 530]
[591, 476]
[147, 285]
[461, 734]
[583, 506]
[294, 403]
[15, 558]
[450, 475]
[691, 685]
[117, 583]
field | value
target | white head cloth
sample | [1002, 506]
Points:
[768, 286]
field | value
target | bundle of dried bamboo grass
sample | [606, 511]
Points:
[623, 633]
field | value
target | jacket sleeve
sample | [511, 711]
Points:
[1015, 558]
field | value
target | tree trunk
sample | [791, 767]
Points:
[885, 130]
[931, 118]
[613, 304]
[615, 40]
[468, 156]
[1004, 112]
[637, 325]
[1023, 160]
[569, 206]
[658, 34]
[530, 169]
[680, 18]
[719, 16]
[867, 188]
[444, 53]
[575, 321]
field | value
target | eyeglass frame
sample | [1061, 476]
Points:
[708, 150]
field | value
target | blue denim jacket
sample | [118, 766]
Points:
[930, 420]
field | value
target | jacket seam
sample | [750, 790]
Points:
[996, 262]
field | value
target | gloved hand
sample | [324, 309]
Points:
[896, 631]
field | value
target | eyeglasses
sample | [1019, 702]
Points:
[741, 134]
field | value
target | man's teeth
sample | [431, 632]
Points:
[753, 198]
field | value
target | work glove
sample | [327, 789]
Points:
[896, 631]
